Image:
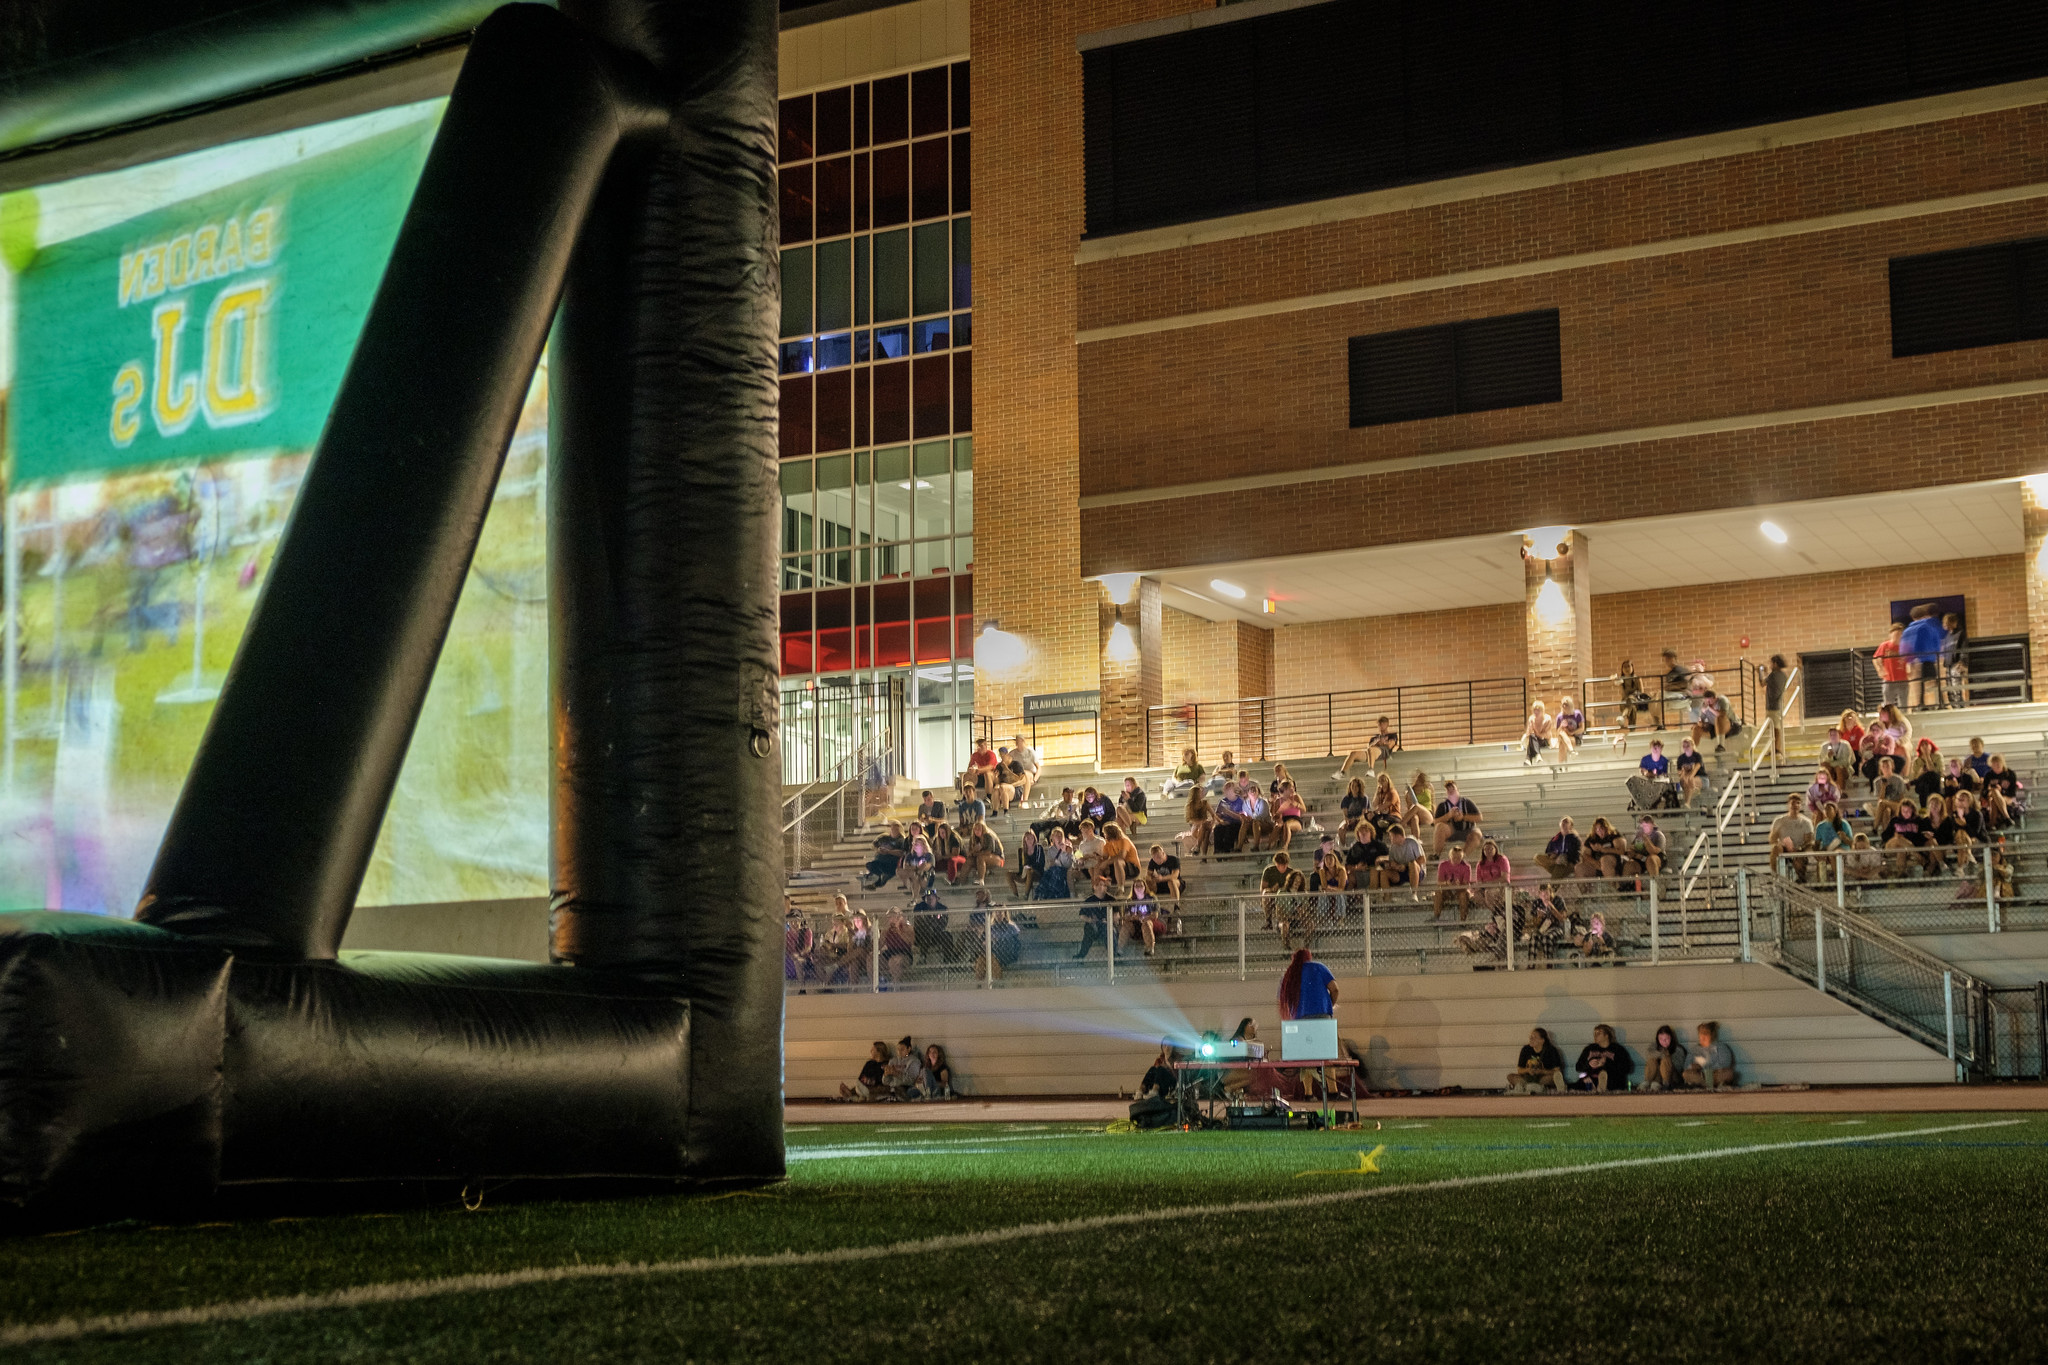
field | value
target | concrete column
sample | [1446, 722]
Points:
[1557, 615]
[2034, 522]
[1131, 672]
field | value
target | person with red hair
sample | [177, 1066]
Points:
[1307, 989]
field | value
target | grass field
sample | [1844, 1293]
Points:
[1767, 1237]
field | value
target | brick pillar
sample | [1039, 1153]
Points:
[1256, 723]
[1132, 678]
[2034, 521]
[1558, 624]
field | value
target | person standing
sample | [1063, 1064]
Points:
[1920, 645]
[1775, 682]
[1890, 666]
[1307, 988]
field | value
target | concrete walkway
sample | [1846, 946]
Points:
[1922, 1099]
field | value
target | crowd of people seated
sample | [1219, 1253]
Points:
[1605, 1066]
[908, 1073]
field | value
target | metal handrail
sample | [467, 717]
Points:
[1479, 709]
[1731, 799]
[861, 761]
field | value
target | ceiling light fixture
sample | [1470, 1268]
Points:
[1227, 588]
[1773, 532]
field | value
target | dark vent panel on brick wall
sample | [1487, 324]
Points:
[1508, 362]
[1979, 296]
[1353, 95]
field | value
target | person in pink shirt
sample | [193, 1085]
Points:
[1454, 880]
[1491, 873]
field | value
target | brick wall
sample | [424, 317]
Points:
[1399, 651]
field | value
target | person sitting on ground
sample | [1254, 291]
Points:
[1277, 880]
[1560, 857]
[1791, 836]
[938, 1075]
[1197, 839]
[1053, 880]
[1601, 851]
[1887, 790]
[1118, 865]
[1710, 1065]
[1822, 791]
[1646, 848]
[1603, 1064]
[1130, 807]
[1454, 877]
[1690, 771]
[1538, 733]
[1571, 726]
[1837, 758]
[868, 1086]
[889, 851]
[984, 851]
[1378, 749]
[1539, 1067]
[896, 945]
[1905, 837]
[1663, 1061]
[905, 1071]
[1354, 804]
[1457, 820]
[1162, 873]
[1862, 863]
[1161, 1080]
[1030, 864]
[1403, 865]
[1187, 776]
[1290, 813]
[1491, 874]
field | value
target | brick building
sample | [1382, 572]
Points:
[1304, 317]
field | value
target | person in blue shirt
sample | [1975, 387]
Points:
[1307, 989]
[1654, 763]
[1920, 647]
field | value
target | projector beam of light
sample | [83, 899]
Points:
[1139, 1010]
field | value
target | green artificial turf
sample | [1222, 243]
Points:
[1926, 1248]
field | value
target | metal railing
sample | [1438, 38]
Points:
[825, 724]
[1260, 729]
[2012, 1042]
[818, 816]
[1870, 968]
[1669, 707]
[1994, 673]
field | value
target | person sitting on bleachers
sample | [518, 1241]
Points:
[1831, 833]
[1650, 788]
[917, 865]
[929, 934]
[1130, 807]
[1200, 835]
[1716, 720]
[1162, 873]
[1186, 777]
[1030, 864]
[1957, 779]
[2003, 783]
[1837, 758]
[1923, 772]
[949, 854]
[1226, 769]
[1417, 804]
[1887, 790]
[1635, 703]
[1966, 817]
[1822, 791]
[896, 945]
[1352, 806]
[1597, 941]
[1600, 852]
[1791, 835]
[1454, 876]
[1457, 820]
[967, 810]
[1491, 874]
[930, 810]
[1279, 883]
[1560, 857]
[1936, 850]
[1710, 1065]
[1404, 864]
[1096, 807]
[1363, 857]
[1229, 836]
[1862, 863]
[1548, 923]
[1690, 771]
[1140, 919]
[1646, 849]
[1065, 814]
[1256, 830]
[1537, 733]
[1379, 747]
[1117, 867]
[1025, 763]
[1905, 839]
[889, 851]
[1324, 905]
[984, 852]
[1053, 882]
[1571, 725]
[981, 769]
[797, 942]
[1290, 813]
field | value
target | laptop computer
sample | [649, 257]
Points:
[1308, 1040]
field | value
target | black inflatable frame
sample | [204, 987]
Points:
[605, 171]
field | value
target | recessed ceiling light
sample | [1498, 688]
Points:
[1227, 588]
[1773, 532]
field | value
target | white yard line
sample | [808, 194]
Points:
[407, 1291]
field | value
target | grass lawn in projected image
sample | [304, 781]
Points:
[1832, 1237]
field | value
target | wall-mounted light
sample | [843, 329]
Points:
[1547, 542]
[1122, 646]
[1270, 606]
[1773, 532]
[998, 651]
[1227, 588]
[1119, 586]
[1551, 606]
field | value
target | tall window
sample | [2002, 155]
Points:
[878, 383]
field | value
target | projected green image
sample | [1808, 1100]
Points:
[177, 334]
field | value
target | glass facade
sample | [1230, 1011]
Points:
[877, 368]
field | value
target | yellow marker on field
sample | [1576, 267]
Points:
[1368, 1164]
